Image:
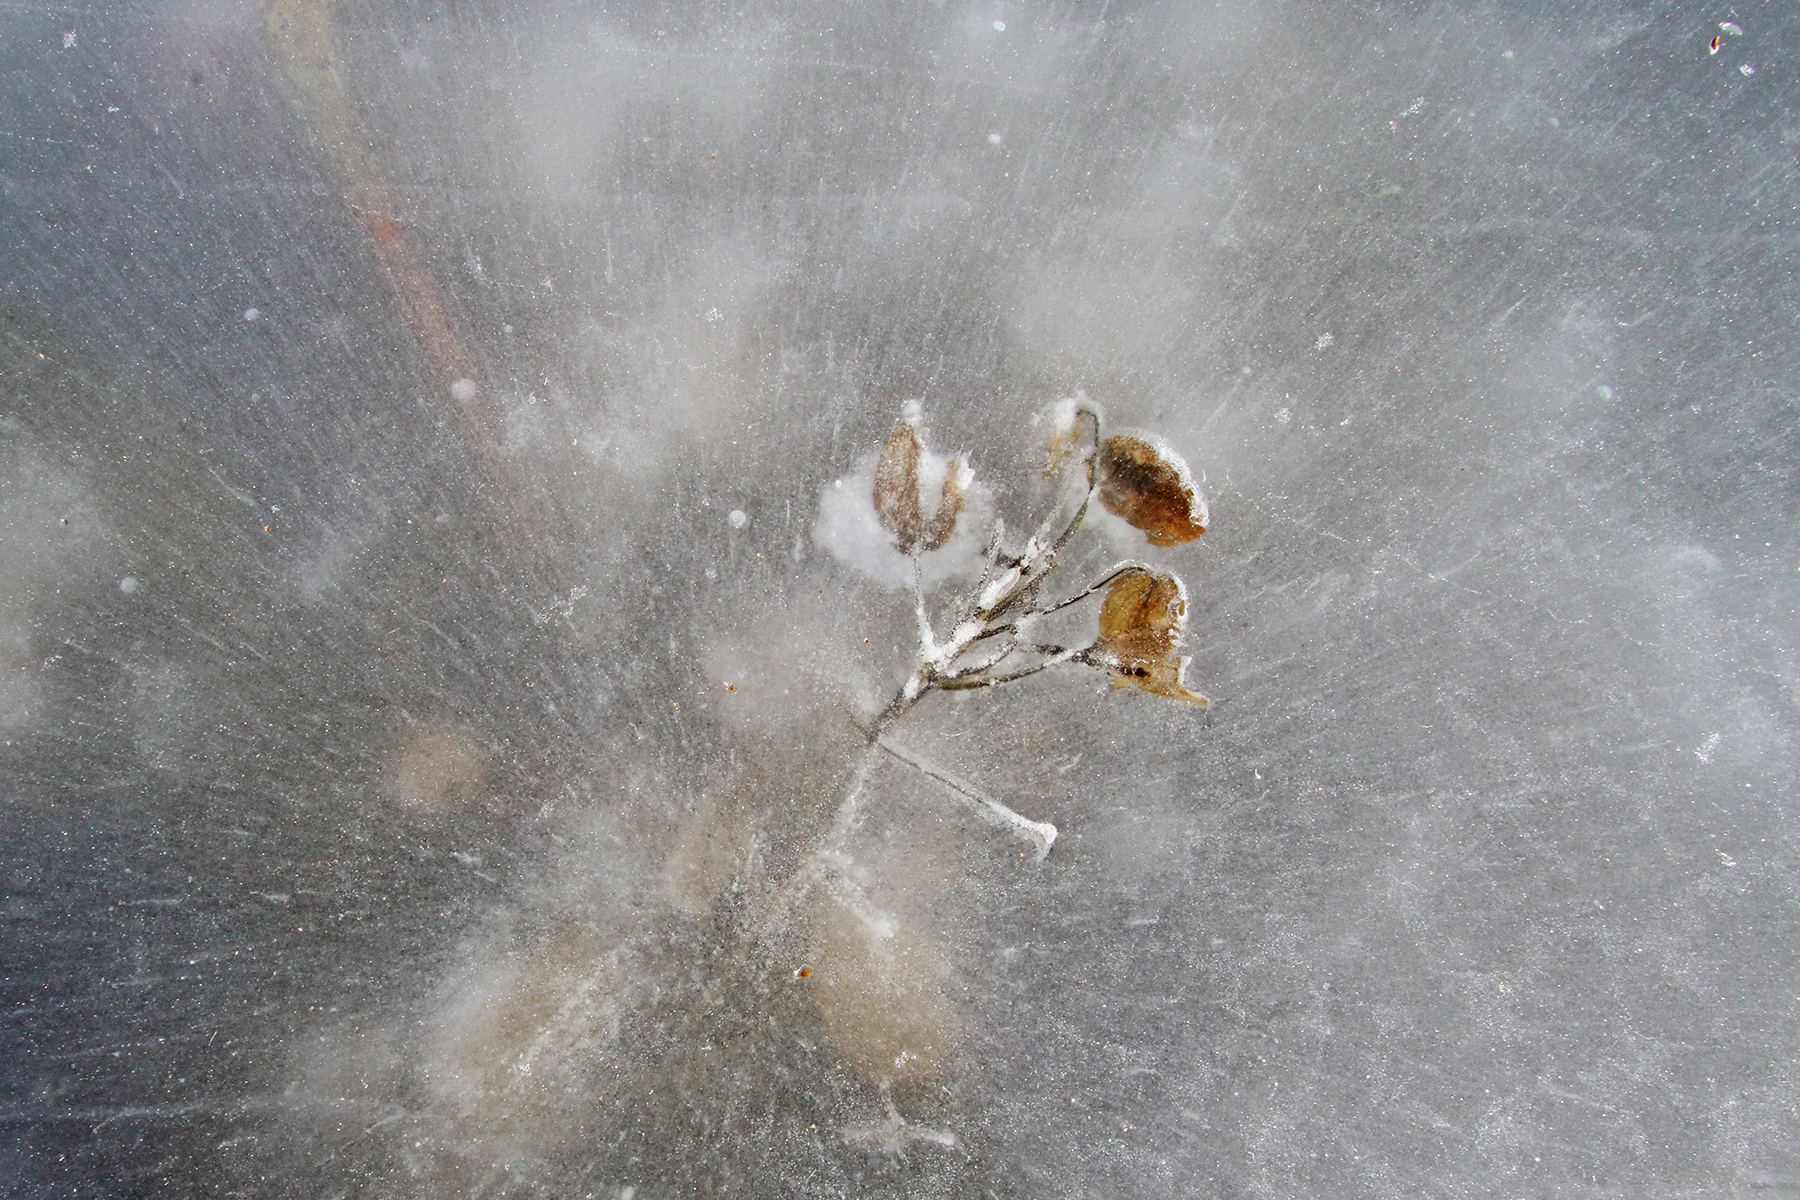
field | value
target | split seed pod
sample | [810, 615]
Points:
[1141, 623]
[897, 486]
[957, 478]
[1148, 484]
[1065, 430]
[898, 505]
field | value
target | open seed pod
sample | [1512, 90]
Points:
[898, 505]
[1148, 484]
[1141, 623]
[897, 486]
[1067, 420]
[957, 477]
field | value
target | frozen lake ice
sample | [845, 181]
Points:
[437, 647]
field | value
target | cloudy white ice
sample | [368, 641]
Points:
[437, 647]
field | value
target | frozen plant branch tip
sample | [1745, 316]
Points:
[1143, 613]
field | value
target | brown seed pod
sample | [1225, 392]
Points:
[1067, 418]
[898, 505]
[1141, 623]
[897, 487]
[1149, 485]
[957, 478]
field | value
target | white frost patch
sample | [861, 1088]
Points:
[1062, 417]
[1690, 558]
[964, 634]
[565, 608]
[1705, 750]
[849, 531]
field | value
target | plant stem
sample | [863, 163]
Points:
[1041, 833]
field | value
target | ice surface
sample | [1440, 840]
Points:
[471, 794]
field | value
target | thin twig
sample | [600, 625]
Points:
[1041, 833]
[1058, 656]
[1118, 570]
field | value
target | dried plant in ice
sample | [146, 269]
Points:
[523, 1039]
[1135, 477]
[875, 999]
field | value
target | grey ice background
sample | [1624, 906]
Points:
[1478, 319]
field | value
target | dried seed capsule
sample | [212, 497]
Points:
[897, 486]
[957, 478]
[1066, 420]
[1141, 623]
[1149, 485]
[898, 504]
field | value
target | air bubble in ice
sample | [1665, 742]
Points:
[463, 390]
[251, 313]
[738, 518]
[129, 584]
